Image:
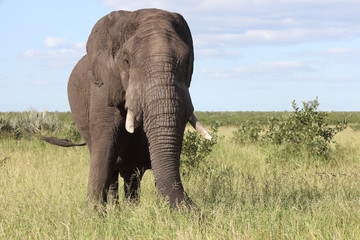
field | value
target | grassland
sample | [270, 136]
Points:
[244, 192]
[234, 118]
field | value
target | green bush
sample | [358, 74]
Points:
[355, 127]
[247, 133]
[5, 124]
[306, 128]
[28, 123]
[70, 132]
[195, 148]
[34, 123]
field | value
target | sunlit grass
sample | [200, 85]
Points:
[242, 191]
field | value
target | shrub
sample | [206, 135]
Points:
[28, 123]
[355, 127]
[303, 130]
[247, 133]
[70, 132]
[5, 124]
[306, 128]
[195, 148]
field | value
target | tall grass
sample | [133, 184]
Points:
[28, 123]
[235, 118]
[33, 123]
[243, 192]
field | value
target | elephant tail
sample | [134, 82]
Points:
[61, 142]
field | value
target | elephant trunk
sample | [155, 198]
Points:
[165, 116]
[165, 152]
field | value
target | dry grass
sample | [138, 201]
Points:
[243, 191]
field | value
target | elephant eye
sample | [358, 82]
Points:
[126, 60]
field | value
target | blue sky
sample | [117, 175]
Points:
[250, 55]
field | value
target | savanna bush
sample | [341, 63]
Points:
[304, 129]
[70, 132]
[247, 133]
[28, 123]
[5, 124]
[33, 123]
[195, 148]
[355, 127]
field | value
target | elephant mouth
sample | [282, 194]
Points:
[130, 125]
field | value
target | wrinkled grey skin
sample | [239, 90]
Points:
[140, 61]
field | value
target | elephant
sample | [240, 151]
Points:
[129, 97]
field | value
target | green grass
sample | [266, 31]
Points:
[235, 118]
[244, 191]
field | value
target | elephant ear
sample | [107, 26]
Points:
[100, 48]
[182, 28]
[106, 76]
[190, 68]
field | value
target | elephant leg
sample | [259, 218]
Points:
[104, 124]
[103, 179]
[113, 192]
[132, 179]
[103, 176]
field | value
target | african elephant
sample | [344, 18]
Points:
[130, 101]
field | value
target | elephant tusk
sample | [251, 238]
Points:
[199, 128]
[129, 123]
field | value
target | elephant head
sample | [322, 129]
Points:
[143, 61]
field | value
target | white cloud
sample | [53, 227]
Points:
[269, 37]
[222, 29]
[275, 67]
[334, 55]
[63, 53]
[216, 53]
[54, 42]
[341, 55]
[57, 42]
[215, 5]
[80, 45]
[275, 70]
[55, 58]
[134, 5]
[49, 55]
[339, 50]
[229, 23]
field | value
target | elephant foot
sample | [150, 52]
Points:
[132, 179]
[100, 202]
[186, 204]
[99, 196]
